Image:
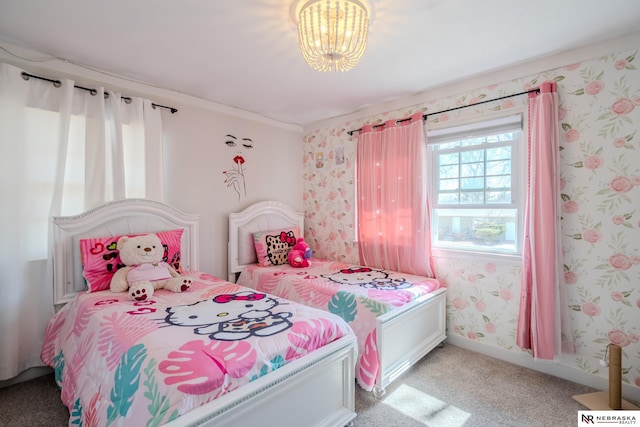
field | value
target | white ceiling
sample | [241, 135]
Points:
[244, 53]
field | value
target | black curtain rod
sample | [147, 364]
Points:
[58, 83]
[424, 116]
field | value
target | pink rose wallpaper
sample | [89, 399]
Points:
[599, 118]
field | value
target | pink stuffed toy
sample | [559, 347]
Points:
[299, 255]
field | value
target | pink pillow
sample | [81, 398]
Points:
[272, 247]
[100, 258]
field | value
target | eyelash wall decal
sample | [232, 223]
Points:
[235, 177]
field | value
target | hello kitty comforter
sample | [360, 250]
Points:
[357, 294]
[120, 362]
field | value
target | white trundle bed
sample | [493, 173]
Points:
[402, 335]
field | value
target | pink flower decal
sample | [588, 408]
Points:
[622, 106]
[620, 261]
[507, 104]
[590, 309]
[620, 64]
[570, 207]
[592, 236]
[593, 162]
[619, 142]
[202, 367]
[618, 219]
[562, 113]
[621, 184]
[505, 294]
[619, 337]
[594, 87]
[459, 304]
[572, 135]
[570, 278]
[490, 267]
[616, 296]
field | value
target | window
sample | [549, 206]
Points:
[41, 122]
[476, 191]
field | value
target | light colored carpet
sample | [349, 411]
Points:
[450, 387]
[454, 387]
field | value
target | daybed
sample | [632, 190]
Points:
[398, 318]
[154, 362]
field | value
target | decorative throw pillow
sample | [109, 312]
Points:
[100, 258]
[272, 247]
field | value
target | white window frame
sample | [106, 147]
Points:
[440, 133]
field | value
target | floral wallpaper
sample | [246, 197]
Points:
[599, 117]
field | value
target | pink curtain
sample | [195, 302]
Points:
[393, 215]
[539, 320]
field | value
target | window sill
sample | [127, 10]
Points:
[474, 255]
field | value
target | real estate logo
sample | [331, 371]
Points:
[622, 418]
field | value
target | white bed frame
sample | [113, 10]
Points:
[315, 390]
[398, 350]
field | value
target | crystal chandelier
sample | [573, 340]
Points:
[332, 33]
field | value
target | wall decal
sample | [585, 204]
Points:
[234, 177]
[319, 159]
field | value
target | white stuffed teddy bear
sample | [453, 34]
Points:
[144, 270]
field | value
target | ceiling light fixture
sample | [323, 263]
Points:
[332, 33]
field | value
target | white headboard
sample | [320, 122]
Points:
[262, 216]
[127, 216]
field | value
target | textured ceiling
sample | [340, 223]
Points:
[244, 53]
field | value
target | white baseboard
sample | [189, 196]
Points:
[552, 368]
[27, 375]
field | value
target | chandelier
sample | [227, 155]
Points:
[332, 33]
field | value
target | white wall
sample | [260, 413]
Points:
[195, 153]
[196, 156]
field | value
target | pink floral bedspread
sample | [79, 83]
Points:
[120, 362]
[355, 293]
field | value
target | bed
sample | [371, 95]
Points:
[398, 318]
[169, 360]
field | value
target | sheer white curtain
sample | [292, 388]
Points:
[62, 150]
